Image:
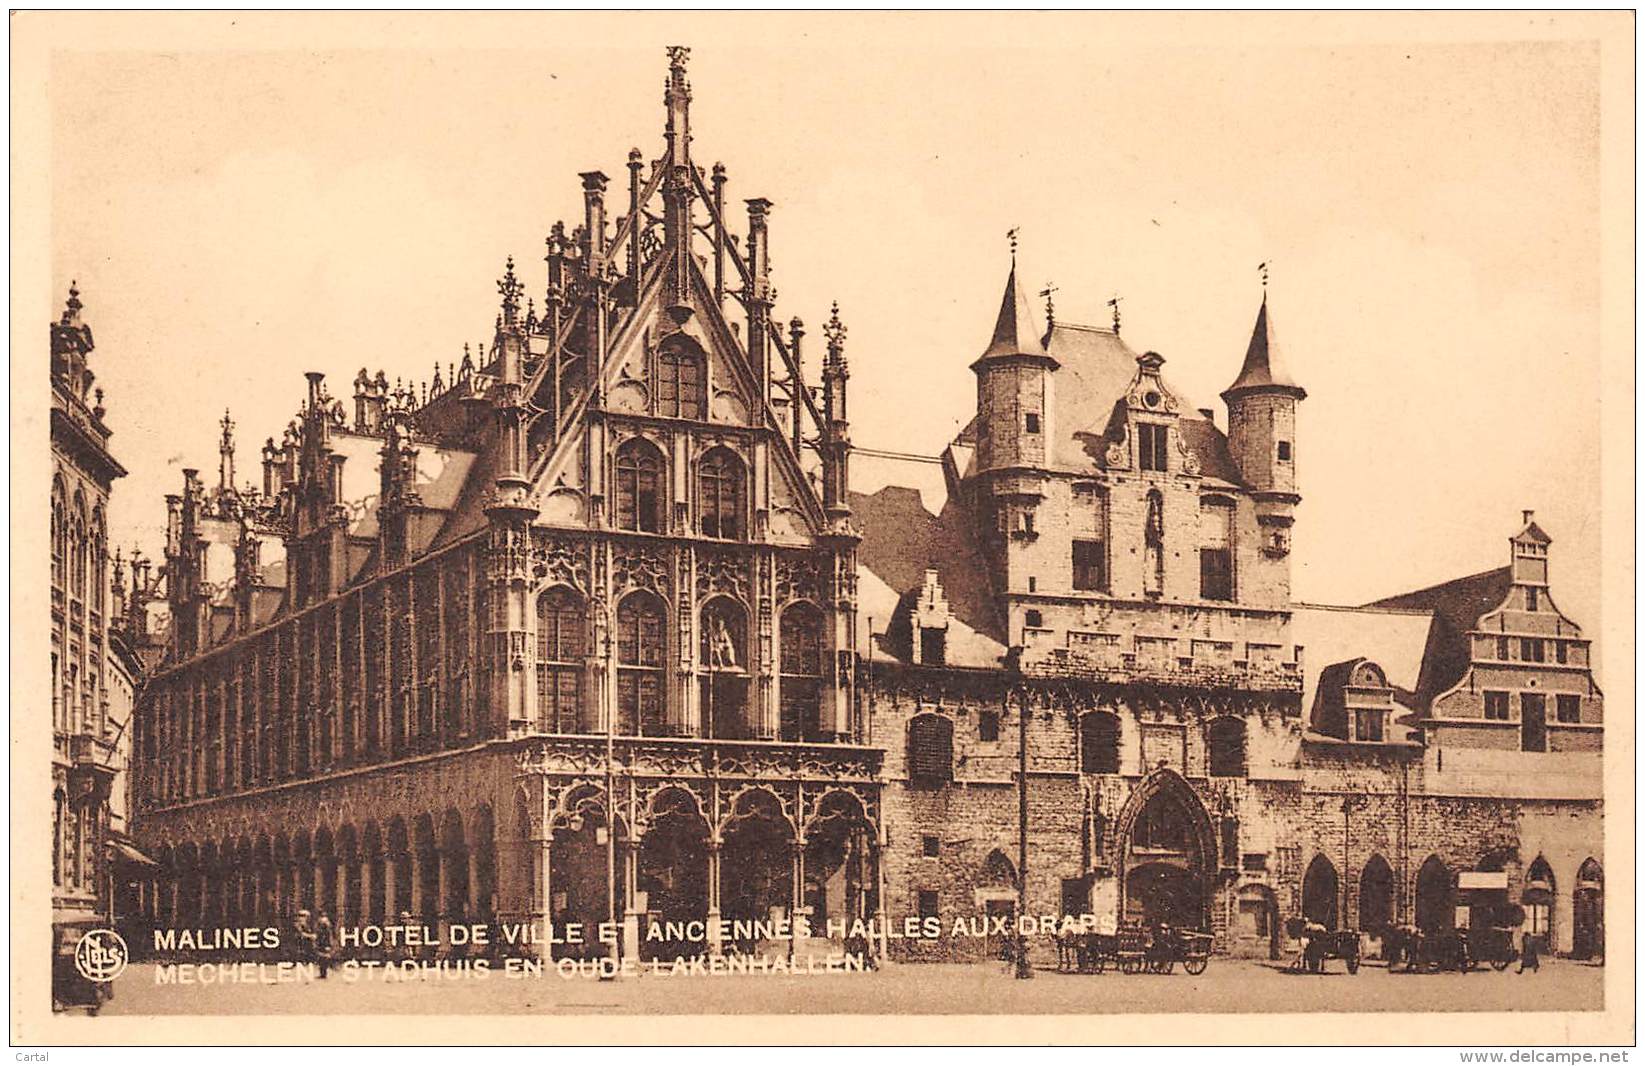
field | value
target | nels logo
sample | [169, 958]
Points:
[101, 955]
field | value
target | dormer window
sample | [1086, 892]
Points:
[1368, 725]
[1151, 446]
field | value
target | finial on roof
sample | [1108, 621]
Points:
[510, 289]
[1011, 236]
[1262, 272]
[1048, 292]
[72, 313]
[228, 427]
[834, 330]
[1114, 303]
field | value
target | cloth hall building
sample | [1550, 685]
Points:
[610, 623]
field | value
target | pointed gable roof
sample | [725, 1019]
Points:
[1015, 332]
[1263, 368]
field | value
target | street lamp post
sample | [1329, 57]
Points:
[1023, 970]
[1349, 803]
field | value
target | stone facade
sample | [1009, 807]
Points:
[90, 681]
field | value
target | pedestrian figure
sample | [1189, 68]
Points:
[1528, 956]
[305, 937]
[324, 942]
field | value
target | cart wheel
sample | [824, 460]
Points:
[1195, 965]
[1132, 965]
[1353, 963]
[1500, 963]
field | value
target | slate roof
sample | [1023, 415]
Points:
[907, 530]
[1341, 637]
[1456, 606]
[1263, 368]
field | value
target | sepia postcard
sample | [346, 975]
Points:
[1008, 527]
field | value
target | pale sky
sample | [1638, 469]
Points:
[1431, 213]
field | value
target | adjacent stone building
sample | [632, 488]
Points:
[609, 622]
[91, 681]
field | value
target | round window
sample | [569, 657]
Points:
[1151, 399]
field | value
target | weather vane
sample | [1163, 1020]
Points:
[1049, 291]
[1262, 272]
[1011, 235]
[1115, 304]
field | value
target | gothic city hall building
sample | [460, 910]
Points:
[611, 624]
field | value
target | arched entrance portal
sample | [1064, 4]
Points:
[1320, 891]
[1170, 855]
[1376, 896]
[1436, 897]
[674, 877]
[587, 869]
[756, 867]
[1537, 898]
[1588, 912]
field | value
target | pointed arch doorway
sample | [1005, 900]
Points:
[1170, 855]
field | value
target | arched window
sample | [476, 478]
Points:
[800, 638]
[930, 751]
[682, 381]
[720, 494]
[639, 487]
[641, 646]
[59, 535]
[1225, 747]
[561, 644]
[1099, 743]
[99, 561]
[723, 653]
[77, 551]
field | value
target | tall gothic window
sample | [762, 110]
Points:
[639, 487]
[682, 380]
[561, 622]
[1225, 744]
[720, 492]
[641, 636]
[59, 535]
[77, 551]
[1216, 553]
[723, 652]
[99, 561]
[1099, 743]
[802, 662]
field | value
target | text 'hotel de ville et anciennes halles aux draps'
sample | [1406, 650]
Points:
[608, 623]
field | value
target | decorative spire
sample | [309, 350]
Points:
[225, 453]
[71, 312]
[1014, 332]
[1048, 292]
[1115, 305]
[510, 289]
[835, 331]
[677, 99]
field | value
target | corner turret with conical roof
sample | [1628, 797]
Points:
[1262, 415]
[1014, 383]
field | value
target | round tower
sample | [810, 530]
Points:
[1014, 385]
[1262, 434]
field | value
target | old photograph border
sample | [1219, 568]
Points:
[36, 37]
